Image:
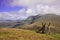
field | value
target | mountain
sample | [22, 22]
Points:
[10, 23]
[34, 22]
[32, 18]
[47, 17]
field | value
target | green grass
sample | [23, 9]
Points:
[56, 35]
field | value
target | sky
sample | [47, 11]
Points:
[21, 9]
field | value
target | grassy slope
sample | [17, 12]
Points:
[21, 34]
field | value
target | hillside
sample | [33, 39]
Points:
[35, 22]
[42, 18]
[21, 34]
[10, 23]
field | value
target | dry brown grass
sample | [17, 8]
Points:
[21, 34]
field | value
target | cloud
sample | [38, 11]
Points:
[30, 2]
[22, 13]
[14, 15]
[43, 9]
[21, 2]
[4, 15]
[34, 7]
[11, 16]
[30, 12]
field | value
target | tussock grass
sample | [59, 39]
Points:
[21, 34]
